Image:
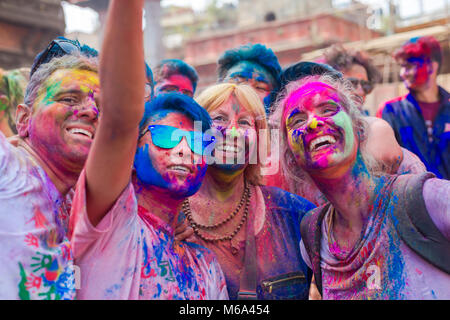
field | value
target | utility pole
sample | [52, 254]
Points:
[392, 18]
[153, 45]
[153, 33]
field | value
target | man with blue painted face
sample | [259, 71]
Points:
[173, 75]
[421, 119]
[128, 251]
[254, 64]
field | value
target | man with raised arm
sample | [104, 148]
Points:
[123, 221]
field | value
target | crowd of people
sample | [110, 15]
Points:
[119, 182]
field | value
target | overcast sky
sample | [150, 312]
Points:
[85, 19]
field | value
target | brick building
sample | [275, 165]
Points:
[26, 27]
[288, 38]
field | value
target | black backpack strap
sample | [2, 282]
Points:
[311, 232]
[414, 225]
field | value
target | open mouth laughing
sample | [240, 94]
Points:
[229, 148]
[321, 142]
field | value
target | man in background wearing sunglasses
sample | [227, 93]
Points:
[129, 250]
[421, 119]
[357, 67]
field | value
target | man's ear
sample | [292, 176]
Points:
[434, 67]
[4, 102]
[23, 116]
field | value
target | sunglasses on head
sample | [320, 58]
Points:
[365, 85]
[58, 48]
[168, 137]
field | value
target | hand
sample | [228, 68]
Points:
[314, 293]
[183, 231]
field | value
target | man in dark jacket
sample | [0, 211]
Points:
[421, 119]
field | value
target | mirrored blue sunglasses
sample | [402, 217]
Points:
[168, 137]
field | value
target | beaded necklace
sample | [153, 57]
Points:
[197, 226]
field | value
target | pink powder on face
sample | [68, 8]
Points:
[421, 76]
[310, 88]
[305, 100]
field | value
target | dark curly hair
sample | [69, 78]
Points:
[342, 59]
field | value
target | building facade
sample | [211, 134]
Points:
[26, 28]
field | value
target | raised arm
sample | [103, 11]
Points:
[122, 79]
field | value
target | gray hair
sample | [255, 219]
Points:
[71, 61]
[298, 180]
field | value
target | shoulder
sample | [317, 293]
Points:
[5, 147]
[393, 104]
[276, 197]
[313, 215]
[379, 124]
[382, 142]
[435, 194]
[444, 93]
[381, 130]
[311, 224]
[410, 163]
[16, 166]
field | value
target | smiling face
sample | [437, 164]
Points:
[359, 73]
[236, 143]
[253, 74]
[64, 118]
[177, 170]
[175, 83]
[319, 131]
[415, 72]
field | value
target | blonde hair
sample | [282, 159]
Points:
[216, 95]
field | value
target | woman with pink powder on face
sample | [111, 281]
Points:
[357, 244]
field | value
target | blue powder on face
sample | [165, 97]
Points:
[248, 70]
[245, 74]
[262, 79]
[145, 171]
[148, 175]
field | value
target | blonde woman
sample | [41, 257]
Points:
[253, 229]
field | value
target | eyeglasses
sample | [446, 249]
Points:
[58, 48]
[168, 137]
[365, 85]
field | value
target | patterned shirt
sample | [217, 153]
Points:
[35, 254]
[381, 266]
[131, 254]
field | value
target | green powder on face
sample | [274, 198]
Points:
[3, 106]
[51, 91]
[343, 120]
